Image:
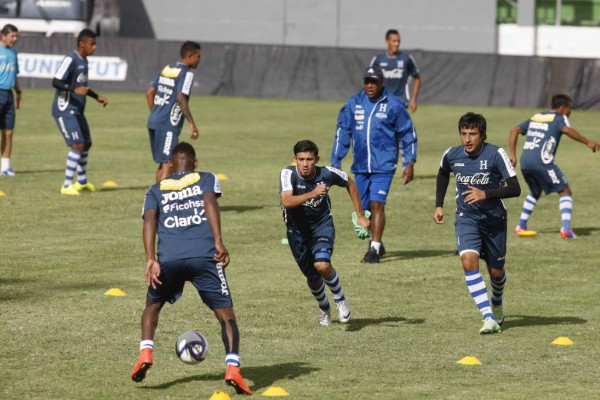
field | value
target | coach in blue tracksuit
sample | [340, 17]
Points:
[376, 124]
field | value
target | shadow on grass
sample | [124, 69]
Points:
[357, 324]
[410, 254]
[583, 231]
[261, 377]
[516, 321]
[40, 171]
[240, 209]
[14, 289]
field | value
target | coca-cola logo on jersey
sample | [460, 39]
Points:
[480, 178]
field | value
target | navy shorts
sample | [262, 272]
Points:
[549, 179]
[373, 187]
[74, 129]
[7, 109]
[162, 144]
[488, 241]
[207, 276]
[308, 247]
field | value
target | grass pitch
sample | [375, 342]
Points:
[412, 316]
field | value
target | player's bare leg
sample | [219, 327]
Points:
[231, 340]
[149, 324]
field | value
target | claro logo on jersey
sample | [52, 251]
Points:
[481, 178]
[181, 222]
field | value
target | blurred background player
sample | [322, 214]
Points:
[538, 166]
[484, 176]
[168, 99]
[9, 69]
[398, 68]
[376, 124]
[307, 215]
[184, 213]
[68, 107]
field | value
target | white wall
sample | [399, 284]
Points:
[550, 41]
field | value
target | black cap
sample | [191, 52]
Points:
[373, 72]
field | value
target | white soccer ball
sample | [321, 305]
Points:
[191, 347]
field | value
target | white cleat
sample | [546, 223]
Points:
[324, 318]
[489, 326]
[344, 312]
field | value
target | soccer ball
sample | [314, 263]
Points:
[191, 347]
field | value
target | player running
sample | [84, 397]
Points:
[307, 215]
[538, 166]
[484, 176]
[183, 211]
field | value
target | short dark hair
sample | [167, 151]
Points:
[8, 28]
[472, 120]
[391, 32]
[185, 148]
[188, 47]
[559, 100]
[305, 146]
[85, 34]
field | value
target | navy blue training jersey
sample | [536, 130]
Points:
[543, 131]
[74, 71]
[485, 170]
[396, 72]
[166, 114]
[314, 212]
[183, 230]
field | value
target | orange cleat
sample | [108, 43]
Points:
[567, 234]
[519, 229]
[142, 366]
[233, 377]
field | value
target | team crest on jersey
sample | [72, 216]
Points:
[170, 72]
[181, 183]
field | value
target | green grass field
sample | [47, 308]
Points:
[413, 319]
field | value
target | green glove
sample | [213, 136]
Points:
[361, 232]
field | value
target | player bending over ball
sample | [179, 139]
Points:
[189, 249]
[484, 176]
[538, 166]
[306, 209]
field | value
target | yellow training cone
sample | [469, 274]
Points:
[222, 177]
[2, 194]
[110, 184]
[563, 341]
[275, 391]
[469, 360]
[115, 292]
[218, 395]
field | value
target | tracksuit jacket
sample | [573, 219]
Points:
[376, 129]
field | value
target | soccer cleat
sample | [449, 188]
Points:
[8, 172]
[567, 234]
[69, 190]
[233, 378]
[519, 228]
[324, 317]
[85, 186]
[489, 326]
[144, 362]
[498, 314]
[381, 249]
[371, 257]
[344, 312]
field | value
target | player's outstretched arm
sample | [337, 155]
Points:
[573, 134]
[213, 215]
[355, 197]
[152, 271]
[512, 145]
[185, 109]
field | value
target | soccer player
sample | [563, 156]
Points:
[9, 69]
[538, 166]
[484, 176]
[398, 68]
[307, 215]
[168, 99]
[376, 124]
[184, 213]
[68, 106]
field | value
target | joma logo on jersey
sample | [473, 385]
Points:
[166, 81]
[481, 178]
[181, 195]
